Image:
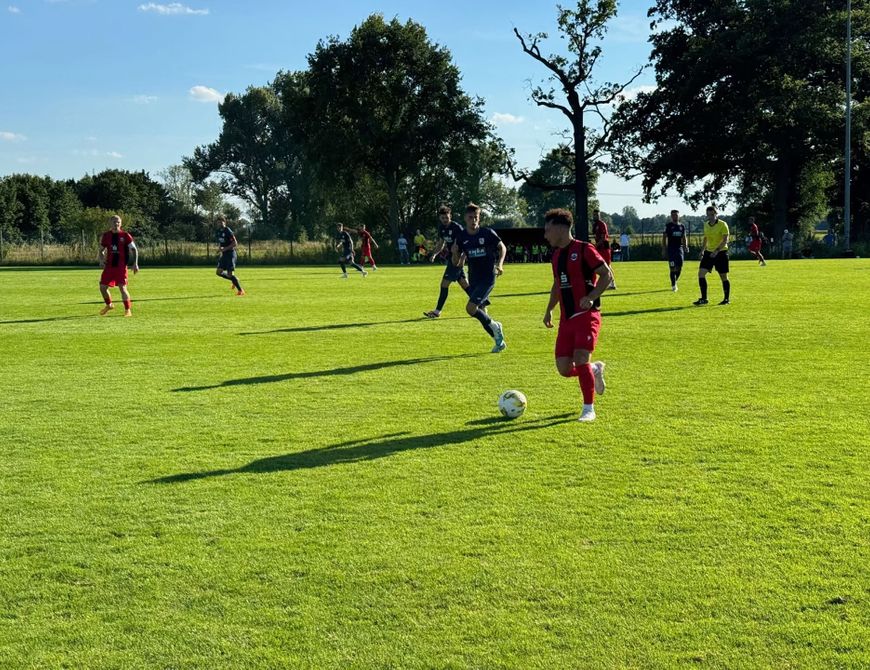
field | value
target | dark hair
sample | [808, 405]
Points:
[712, 208]
[471, 208]
[444, 209]
[559, 217]
[675, 211]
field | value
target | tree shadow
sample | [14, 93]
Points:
[289, 376]
[366, 449]
[619, 294]
[519, 295]
[341, 326]
[632, 312]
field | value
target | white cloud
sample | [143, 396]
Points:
[504, 119]
[631, 93]
[14, 10]
[114, 154]
[96, 153]
[26, 160]
[172, 9]
[6, 136]
[144, 99]
[206, 94]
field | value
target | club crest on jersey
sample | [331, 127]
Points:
[574, 256]
[480, 240]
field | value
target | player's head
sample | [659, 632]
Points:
[339, 227]
[557, 227]
[675, 215]
[222, 221]
[362, 227]
[596, 215]
[472, 214]
[444, 214]
[712, 213]
[115, 222]
[751, 220]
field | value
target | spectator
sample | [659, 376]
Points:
[419, 247]
[830, 239]
[625, 244]
[787, 239]
[404, 259]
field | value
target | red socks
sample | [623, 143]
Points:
[587, 382]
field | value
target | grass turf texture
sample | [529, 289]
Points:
[314, 476]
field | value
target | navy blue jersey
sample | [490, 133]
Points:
[675, 233]
[481, 251]
[346, 242]
[225, 237]
[450, 233]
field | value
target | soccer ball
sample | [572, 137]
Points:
[512, 404]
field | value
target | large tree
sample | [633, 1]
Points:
[387, 101]
[556, 167]
[572, 91]
[749, 99]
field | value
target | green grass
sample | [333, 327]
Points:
[312, 477]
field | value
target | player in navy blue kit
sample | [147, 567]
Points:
[448, 233]
[344, 245]
[226, 267]
[484, 252]
[675, 245]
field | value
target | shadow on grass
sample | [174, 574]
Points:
[290, 376]
[632, 312]
[368, 449]
[620, 294]
[341, 326]
[180, 297]
[51, 318]
[518, 295]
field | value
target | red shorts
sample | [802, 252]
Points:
[366, 251]
[114, 277]
[579, 332]
[604, 252]
[755, 245]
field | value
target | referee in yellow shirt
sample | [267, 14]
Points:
[714, 254]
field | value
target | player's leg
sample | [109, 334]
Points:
[703, 270]
[672, 267]
[444, 289]
[356, 266]
[586, 378]
[125, 296]
[236, 283]
[107, 298]
[722, 267]
[463, 282]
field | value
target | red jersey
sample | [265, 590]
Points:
[574, 271]
[599, 229]
[754, 233]
[118, 246]
[365, 238]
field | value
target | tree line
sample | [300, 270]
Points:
[377, 129]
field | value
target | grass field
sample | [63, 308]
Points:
[313, 476]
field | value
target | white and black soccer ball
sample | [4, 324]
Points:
[512, 404]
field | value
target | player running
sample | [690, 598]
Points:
[226, 267]
[117, 249]
[602, 242]
[714, 254]
[366, 241]
[448, 232]
[345, 247]
[485, 252]
[580, 276]
[675, 246]
[756, 238]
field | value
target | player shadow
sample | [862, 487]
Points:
[181, 297]
[341, 326]
[632, 312]
[368, 449]
[618, 294]
[51, 318]
[290, 376]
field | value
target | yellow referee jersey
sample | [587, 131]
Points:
[715, 233]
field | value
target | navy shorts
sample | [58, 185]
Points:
[453, 273]
[346, 258]
[479, 293]
[227, 261]
[676, 258]
[720, 263]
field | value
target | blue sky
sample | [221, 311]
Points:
[90, 84]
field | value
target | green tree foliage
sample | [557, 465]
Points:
[571, 83]
[749, 96]
[388, 102]
[132, 192]
[557, 167]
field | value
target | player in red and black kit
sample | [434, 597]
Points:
[602, 242]
[580, 276]
[366, 241]
[117, 249]
[755, 240]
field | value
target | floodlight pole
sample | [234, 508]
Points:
[847, 190]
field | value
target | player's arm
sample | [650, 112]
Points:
[133, 250]
[455, 256]
[375, 243]
[437, 250]
[502, 252]
[685, 242]
[721, 244]
[703, 244]
[102, 257]
[232, 245]
[664, 242]
[554, 300]
[605, 277]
